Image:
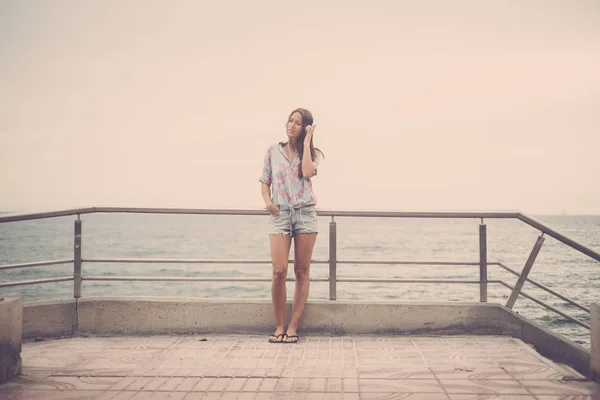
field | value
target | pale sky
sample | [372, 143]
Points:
[419, 105]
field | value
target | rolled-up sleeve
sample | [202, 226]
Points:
[266, 176]
[317, 161]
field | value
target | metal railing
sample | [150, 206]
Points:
[333, 260]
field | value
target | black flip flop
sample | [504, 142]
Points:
[286, 337]
[275, 338]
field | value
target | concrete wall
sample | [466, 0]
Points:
[49, 318]
[553, 346]
[406, 318]
[595, 339]
[158, 315]
[11, 311]
[115, 316]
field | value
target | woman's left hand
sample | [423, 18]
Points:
[309, 133]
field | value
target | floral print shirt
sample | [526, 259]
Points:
[288, 189]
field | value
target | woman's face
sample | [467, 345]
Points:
[294, 126]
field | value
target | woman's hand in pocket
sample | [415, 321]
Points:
[273, 209]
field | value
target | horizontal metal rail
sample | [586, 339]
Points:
[35, 264]
[394, 262]
[241, 261]
[539, 285]
[230, 279]
[375, 280]
[549, 307]
[183, 261]
[324, 213]
[37, 281]
[186, 278]
[560, 237]
[48, 214]
[226, 279]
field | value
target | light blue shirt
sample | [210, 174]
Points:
[288, 189]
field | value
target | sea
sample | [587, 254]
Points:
[233, 237]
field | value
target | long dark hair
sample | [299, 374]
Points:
[307, 119]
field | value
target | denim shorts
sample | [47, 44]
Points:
[293, 221]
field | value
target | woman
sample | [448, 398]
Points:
[288, 194]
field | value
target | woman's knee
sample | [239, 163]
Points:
[302, 274]
[279, 273]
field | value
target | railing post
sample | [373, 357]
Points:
[483, 278]
[332, 260]
[595, 342]
[523, 277]
[77, 259]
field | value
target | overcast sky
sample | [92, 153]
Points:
[428, 105]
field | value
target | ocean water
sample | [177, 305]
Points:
[559, 267]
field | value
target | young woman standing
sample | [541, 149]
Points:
[288, 195]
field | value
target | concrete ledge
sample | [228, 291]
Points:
[159, 315]
[595, 339]
[406, 318]
[115, 316]
[140, 315]
[554, 346]
[49, 318]
[11, 313]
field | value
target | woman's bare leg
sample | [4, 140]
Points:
[303, 249]
[280, 253]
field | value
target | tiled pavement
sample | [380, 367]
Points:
[318, 367]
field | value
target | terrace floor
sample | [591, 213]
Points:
[318, 367]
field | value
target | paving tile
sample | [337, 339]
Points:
[188, 384]
[139, 383]
[252, 385]
[562, 388]
[403, 396]
[246, 396]
[334, 385]
[471, 373]
[398, 363]
[483, 387]
[350, 385]
[325, 396]
[566, 397]
[490, 397]
[155, 383]
[37, 373]
[538, 370]
[122, 383]
[399, 386]
[400, 372]
[301, 385]
[140, 395]
[177, 395]
[287, 396]
[124, 395]
[108, 395]
[171, 384]
[267, 385]
[204, 396]
[284, 385]
[235, 384]
[229, 396]
[318, 384]
[203, 384]
[27, 394]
